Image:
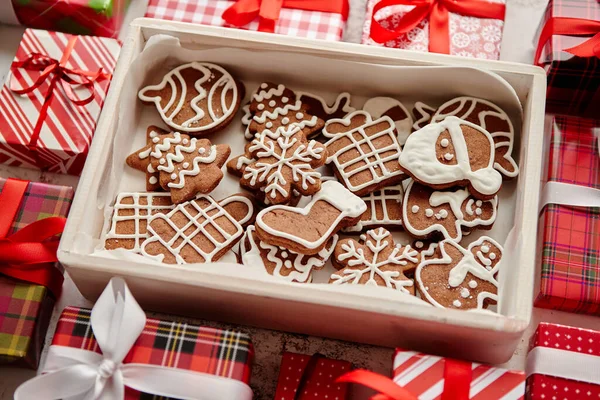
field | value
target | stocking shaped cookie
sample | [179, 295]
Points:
[422, 114]
[452, 153]
[198, 98]
[384, 209]
[316, 105]
[389, 107]
[462, 278]
[198, 231]
[491, 118]
[374, 260]
[281, 262]
[364, 152]
[140, 160]
[307, 230]
[428, 212]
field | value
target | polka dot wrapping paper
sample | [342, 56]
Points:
[318, 382]
[563, 350]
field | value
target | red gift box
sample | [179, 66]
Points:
[563, 362]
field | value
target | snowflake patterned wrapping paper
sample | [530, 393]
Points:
[314, 375]
[562, 363]
[50, 126]
[570, 257]
[573, 81]
[25, 308]
[295, 18]
[468, 36]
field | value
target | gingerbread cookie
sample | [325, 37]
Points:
[491, 118]
[462, 278]
[284, 163]
[452, 153]
[374, 260]
[307, 230]
[364, 152]
[384, 209]
[281, 262]
[316, 105]
[427, 250]
[140, 160]
[428, 212]
[198, 231]
[422, 114]
[197, 98]
[130, 218]
[389, 107]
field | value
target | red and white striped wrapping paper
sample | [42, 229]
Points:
[68, 128]
[423, 376]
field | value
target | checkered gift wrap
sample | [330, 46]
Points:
[25, 308]
[570, 270]
[213, 351]
[292, 22]
[67, 129]
[573, 82]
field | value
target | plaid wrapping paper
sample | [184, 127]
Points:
[570, 277]
[292, 22]
[25, 308]
[573, 82]
[169, 344]
[68, 128]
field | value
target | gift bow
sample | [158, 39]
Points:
[437, 12]
[245, 11]
[572, 27]
[26, 255]
[117, 321]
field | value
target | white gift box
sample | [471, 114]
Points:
[246, 295]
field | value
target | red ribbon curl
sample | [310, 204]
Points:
[571, 27]
[437, 12]
[26, 255]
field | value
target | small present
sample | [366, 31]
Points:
[470, 28]
[80, 17]
[568, 48]
[563, 362]
[311, 19]
[116, 352]
[314, 376]
[570, 219]
[52, 98]
[32, 214]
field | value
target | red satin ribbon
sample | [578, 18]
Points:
[457, 382]
[26, 255]
[267, 11]
[437, 12]
[57, 72]
[572, 27]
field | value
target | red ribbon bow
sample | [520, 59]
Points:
[437, 12]
[26, 255]
[245, 11]
[56, 71]
[572, 27]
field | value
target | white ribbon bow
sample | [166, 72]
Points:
[117, 321]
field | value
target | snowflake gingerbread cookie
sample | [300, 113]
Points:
[374, 260]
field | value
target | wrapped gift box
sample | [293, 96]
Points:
[563, 362]
[51, 126]
[570, 235]
[294, 18]
[25, 308]
[573, 82]
[468, 36]
[314, 375]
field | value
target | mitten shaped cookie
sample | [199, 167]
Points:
[316, 105]
[379, 107]
[384, 209]
[140, 160]
[374, 260]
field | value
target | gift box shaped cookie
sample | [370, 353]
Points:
[472, 28]
[315, 20]
[115, 348]
[52, 99]
[567, 48]
[27, 295]
[570, 219]
[563, 362]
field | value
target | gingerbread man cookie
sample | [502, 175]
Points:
[389, 107]
[140, 160]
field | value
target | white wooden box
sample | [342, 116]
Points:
[230, 292]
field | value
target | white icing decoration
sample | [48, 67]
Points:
[261, 106]
[173, 176]
[272, 103]
[265, 95]
[456, 303]
[393, 194]
[472, 284]
[485, 248]
[415, 209]
[492, 256]
[269, 125]
[285, 99]
[425, 113]
[464, 293]
[153, 134]
[153, 180]
[429, 213]
[377, 106]
[263, 85]
[279, 112]
[442, 214]
[243, 161]
[419, 244]
[285, 120]
[448, 156]
[478, 211]
[155, 140]
[186, 165]
[299, 115]
[479, 203]
[444, 142]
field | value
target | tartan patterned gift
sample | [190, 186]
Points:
[25, 308]
[570, 232]
[569, 50]
[314, 19]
